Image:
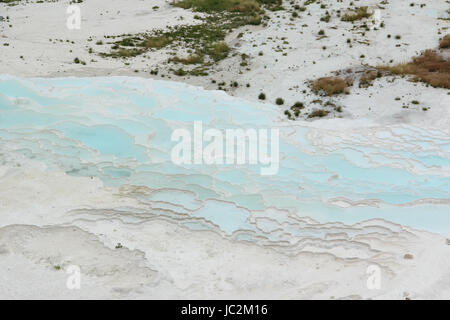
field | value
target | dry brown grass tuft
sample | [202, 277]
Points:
[318, 113]
[367, 78]
[445, 42]
[429, 67]
[358, 14]
[331, 85]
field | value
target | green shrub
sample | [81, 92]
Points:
[298, 106]
[180, 72]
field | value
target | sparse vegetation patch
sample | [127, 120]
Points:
[205, 42]
[429, 67]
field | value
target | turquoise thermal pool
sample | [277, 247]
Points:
[119, 130]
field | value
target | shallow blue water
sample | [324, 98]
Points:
[119, 130]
